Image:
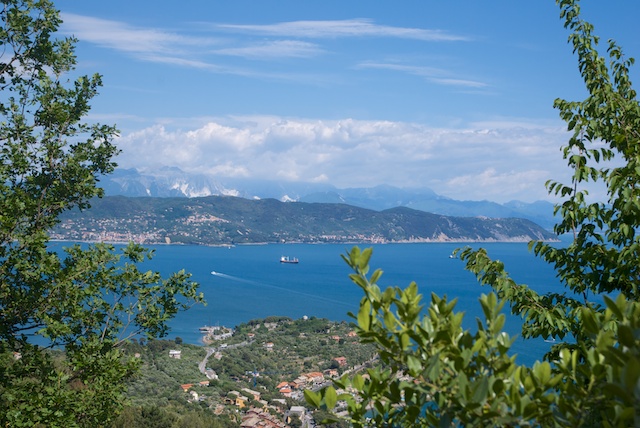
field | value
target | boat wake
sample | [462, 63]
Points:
[275, 287]
[233, 278]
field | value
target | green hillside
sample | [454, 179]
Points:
[263, 366]
[224, 220]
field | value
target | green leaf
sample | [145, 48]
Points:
[389, 321]
[589, 321]
[364, 315]
[632, 374]
[312, 398]
[480, 390]
[330, 397]
[498, 386]
[543, 372]
[613, 307]
[375, 276]
[358, 382]
[626, 336]
[414, 365]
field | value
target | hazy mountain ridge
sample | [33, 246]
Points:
[172, 182]
[226, 220]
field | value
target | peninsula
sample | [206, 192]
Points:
[226, 220]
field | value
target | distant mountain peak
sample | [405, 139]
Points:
[173, 182]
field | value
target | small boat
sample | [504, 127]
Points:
[286, 259]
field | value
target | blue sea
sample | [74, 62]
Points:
[246, 282]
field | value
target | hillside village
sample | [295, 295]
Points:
[254, 375]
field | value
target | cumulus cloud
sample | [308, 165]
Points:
[498, 164]
[493, 185]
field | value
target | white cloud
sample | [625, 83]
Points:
[228, 169]
[322, 178]
[182, 62]
[236, 139]
[187, 51]
[460, 82]
[183, 48]
[273, 49]
[409, 69]
[493, 185]
[432, 74]
[498, 164]
[123, 37]
[343, 28]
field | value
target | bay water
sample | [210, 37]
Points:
[247, 282]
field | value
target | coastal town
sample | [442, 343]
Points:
[256, 373]
[226, 221]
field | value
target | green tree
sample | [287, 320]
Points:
[63, 314]
[435, 373]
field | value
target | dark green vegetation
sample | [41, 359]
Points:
[434, 373]
[156, 398]
[217, 220]
[83, 303]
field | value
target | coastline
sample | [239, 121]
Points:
[514, 240]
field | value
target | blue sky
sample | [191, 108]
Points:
[455, 96]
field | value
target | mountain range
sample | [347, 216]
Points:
[230, 220]
[173, 182]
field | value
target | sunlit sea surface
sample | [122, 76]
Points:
[249, 282]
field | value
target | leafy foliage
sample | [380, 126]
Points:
[63, 314]
[435, 373]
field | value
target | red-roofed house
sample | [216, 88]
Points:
[342, 361]
[286, 391]
[315, 377]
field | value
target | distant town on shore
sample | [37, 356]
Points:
[226, 220]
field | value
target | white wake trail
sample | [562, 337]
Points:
[286, 290]
[234, 278]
